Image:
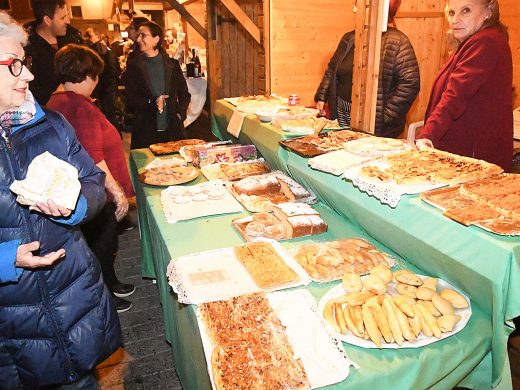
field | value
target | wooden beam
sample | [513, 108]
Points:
[189, 18]
[267, 45]
[243, 19]
[367, 55]
[213, 54]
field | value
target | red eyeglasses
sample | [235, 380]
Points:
[15, 66]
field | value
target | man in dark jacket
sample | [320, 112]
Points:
[50, 31]
[398, 82]
[105, 91]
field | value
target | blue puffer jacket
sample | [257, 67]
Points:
[56, 323]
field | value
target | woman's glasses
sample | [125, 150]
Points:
[15, 66]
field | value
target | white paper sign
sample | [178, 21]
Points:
[235, 123]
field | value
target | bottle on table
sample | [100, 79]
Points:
[197, 64]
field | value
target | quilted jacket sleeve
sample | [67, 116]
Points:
[406, 82]
[8, 271]
[338, 56]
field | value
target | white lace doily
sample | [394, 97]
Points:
[218, 275]
[389, 193]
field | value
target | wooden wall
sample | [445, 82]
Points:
[510, 15]
[424, 23]
[303, 39]
[240, 62]
[304, 34]
[198, 11]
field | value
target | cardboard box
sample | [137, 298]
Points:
[227, 154]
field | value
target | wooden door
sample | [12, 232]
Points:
[237, 61]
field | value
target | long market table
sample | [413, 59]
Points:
[441, 365]
[485, 265]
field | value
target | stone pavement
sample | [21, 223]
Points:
[145, 361]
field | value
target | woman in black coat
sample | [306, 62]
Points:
[156, 91]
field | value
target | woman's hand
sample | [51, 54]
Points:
[52, 209]
[121, 203]
[320, 106]
[25, 258]
[160, 102]
[423, 143]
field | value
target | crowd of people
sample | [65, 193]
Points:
[59, 294]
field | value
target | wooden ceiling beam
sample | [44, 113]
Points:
[243, 19]
[189, 18]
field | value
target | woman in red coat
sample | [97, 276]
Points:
[471, 110]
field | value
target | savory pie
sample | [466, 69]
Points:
[174, 146]
[168, 175]
[429, 166]
[237, 171]
[251, 349]
[265, 265]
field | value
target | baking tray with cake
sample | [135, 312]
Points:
[287, 221]
[316, 144]
[261, 192]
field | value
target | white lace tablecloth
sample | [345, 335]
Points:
[197, 87]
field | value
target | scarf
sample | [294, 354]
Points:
[17, 116]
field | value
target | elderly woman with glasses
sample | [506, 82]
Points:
[156, 90]
[56, 316]
[470, 111]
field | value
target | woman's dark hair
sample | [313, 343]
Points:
[156, 31]
[73, 63]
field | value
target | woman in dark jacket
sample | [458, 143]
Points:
[56, 318]
[399, 80]
[156, 91]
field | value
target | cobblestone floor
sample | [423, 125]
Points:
[145, 361]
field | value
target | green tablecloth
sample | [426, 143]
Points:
[485, 265]
[461, 358]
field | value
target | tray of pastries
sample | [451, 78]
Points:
[235, 171]
[288, 220]
[328, 261]
[275, 340]
[394, 309]
[173, 146]
[262, 265]
[428, 166]
[168, 175]
[317, 144]
[262, 192]
[492, 204]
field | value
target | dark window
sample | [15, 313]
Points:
[4, 4]
[76, 11]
